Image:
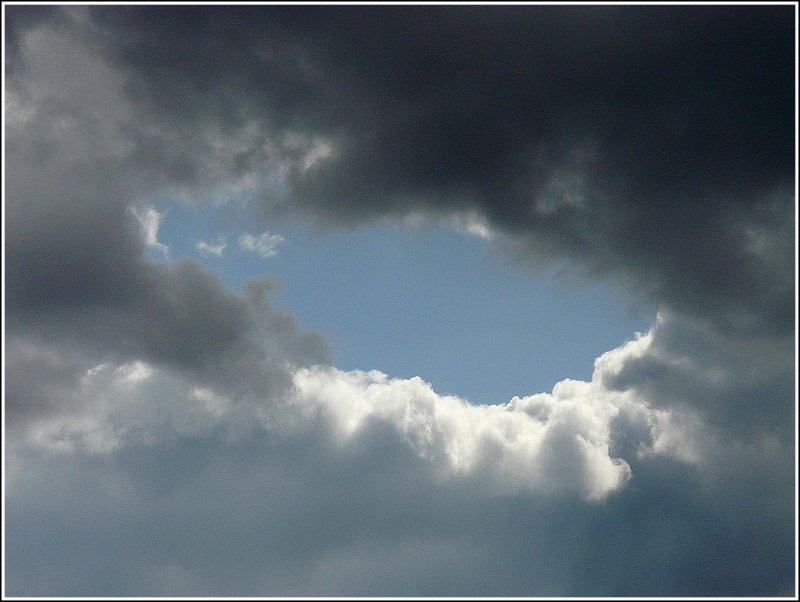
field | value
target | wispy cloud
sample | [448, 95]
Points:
[264, 244]
[216, 247]
[473, 224]
[150, 221]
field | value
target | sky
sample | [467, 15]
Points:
[424, 288]
[411, 301]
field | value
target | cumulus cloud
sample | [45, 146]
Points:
[632, 143]
[264, 244]
[578, 439]
[545, 443]
[492, 486]
[569, 441]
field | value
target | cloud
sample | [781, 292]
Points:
[80, 292]
[498, 498]
[472, 223]
[543, 444]
[121, 405]
[746, 384]
[570, 161]
[211, 247]
[150, 221]
[631, 143]
[263, 245]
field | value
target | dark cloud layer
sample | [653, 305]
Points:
[269, 518]
[641, 139]
[653, 145]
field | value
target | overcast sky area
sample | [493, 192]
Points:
[400, 300]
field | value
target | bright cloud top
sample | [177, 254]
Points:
[546, 443]
[543, 444]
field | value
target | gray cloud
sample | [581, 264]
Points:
[652, 155]
[663, 160]
[746, 384]
[79, 286]
[279, 516]
[157, 447]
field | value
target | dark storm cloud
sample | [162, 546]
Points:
[641, 140]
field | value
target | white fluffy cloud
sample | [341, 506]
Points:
[543, 444]
[264, 244]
